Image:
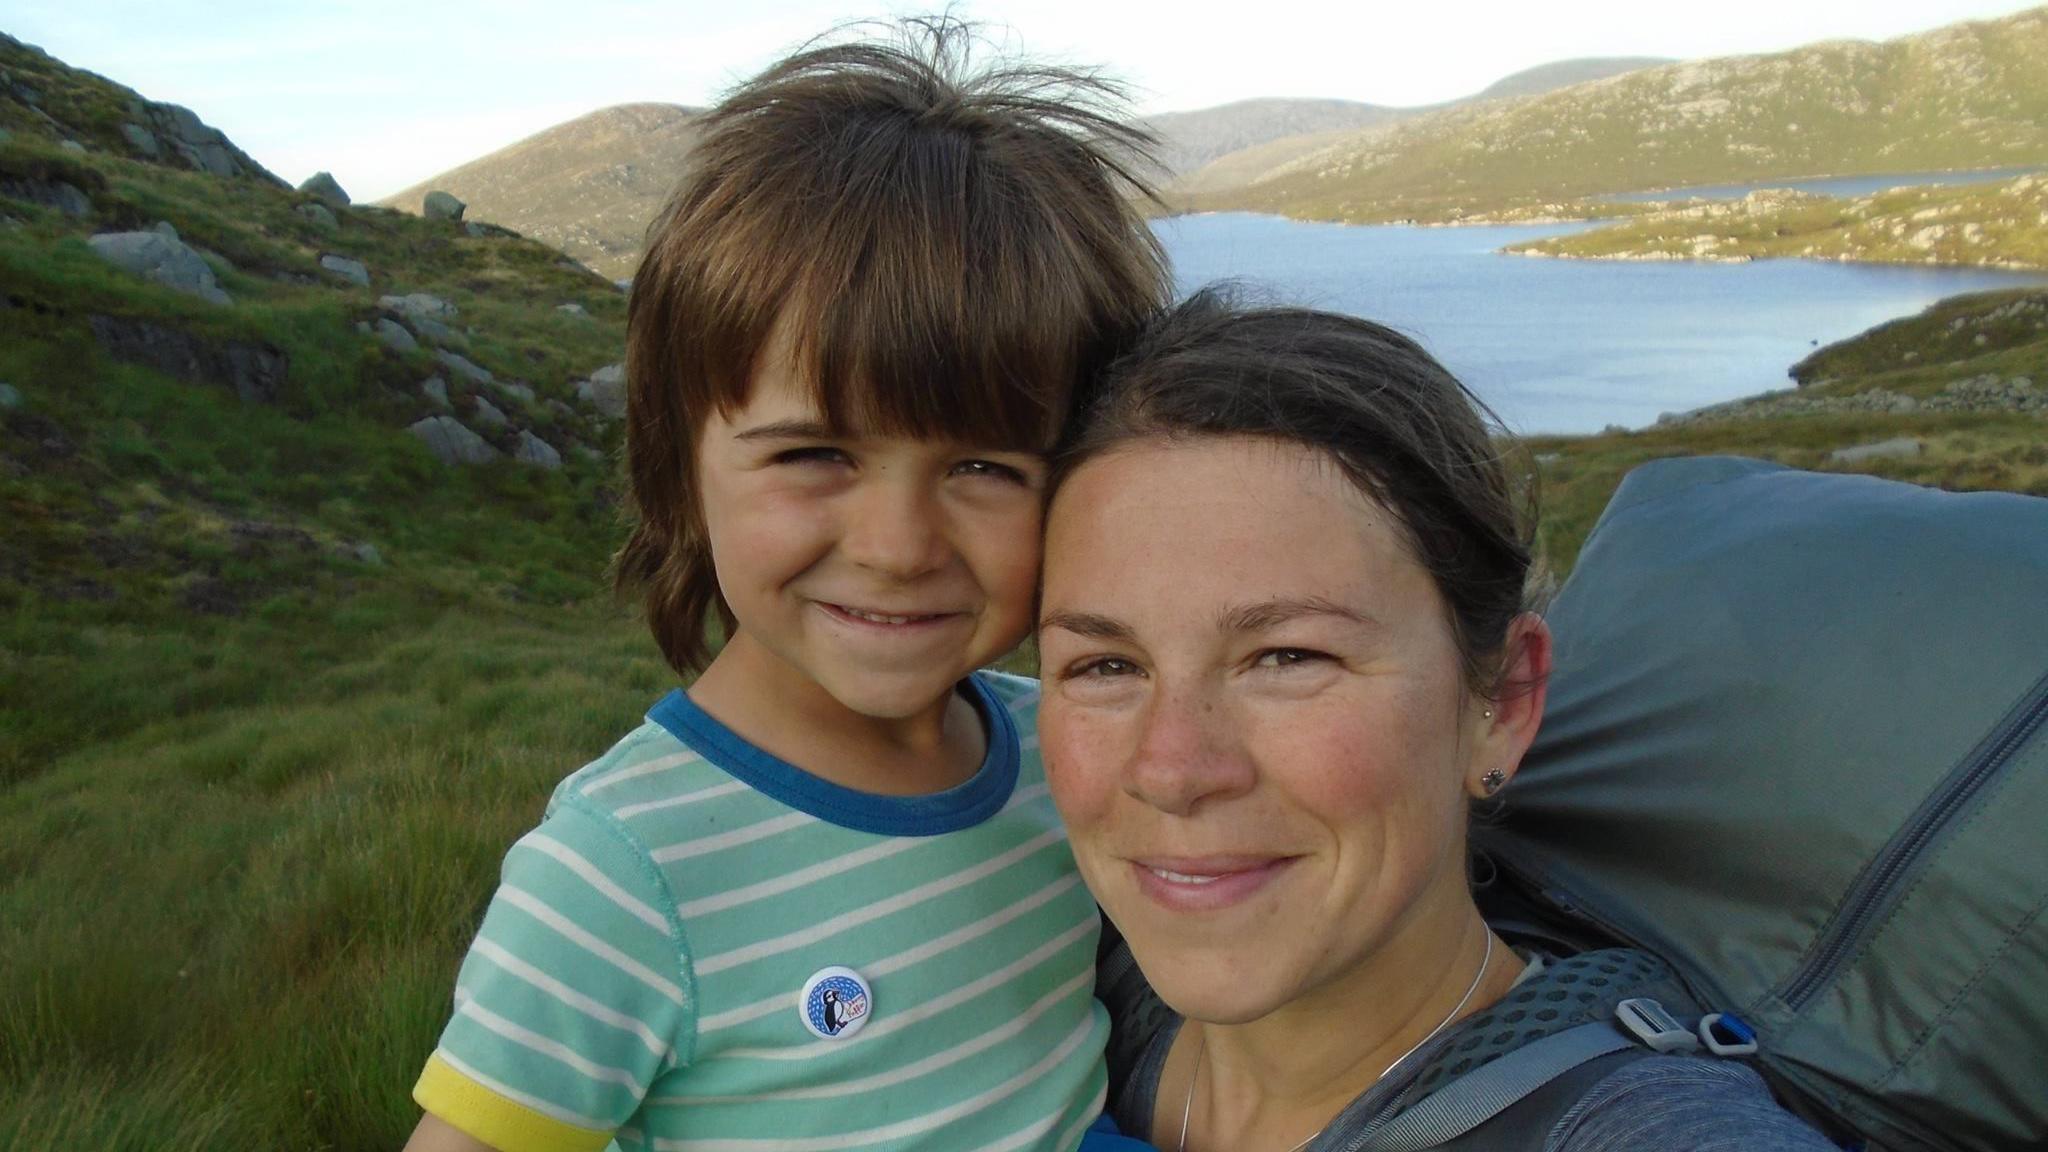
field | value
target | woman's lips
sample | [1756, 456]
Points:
[1205, 883]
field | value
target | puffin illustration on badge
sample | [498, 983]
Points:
[836, 1002]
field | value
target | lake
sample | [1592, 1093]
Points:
[1566, 345]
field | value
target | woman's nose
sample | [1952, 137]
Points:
[1186, 754]
[893, 529]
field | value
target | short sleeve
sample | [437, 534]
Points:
[1683, 1104]
[573, 998]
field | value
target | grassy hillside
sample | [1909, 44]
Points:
[277, 687]
[1565, 73]
[1968, 96]
[2002, 225]
[588, 187]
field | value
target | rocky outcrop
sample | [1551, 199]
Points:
[255, 372]
[605, 391]
[394, 336]
[187, 139]
[537, 452]
[64, 197]
[167, 261]
[486, 413]
[452, 443]
[418, 304]
[441, 206]
[435, 390]
[346, 268]
[323, 186]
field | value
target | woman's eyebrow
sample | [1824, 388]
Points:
[787, 430]
[1272, 613]
[1091, 625]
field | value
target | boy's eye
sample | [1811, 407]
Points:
[813, 454]
[991, 469]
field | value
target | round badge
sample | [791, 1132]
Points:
[836, 1003]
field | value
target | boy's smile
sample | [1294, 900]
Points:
[868, 573]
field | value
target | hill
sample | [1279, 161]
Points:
[1565, 73]
[588, 186]
[1970, 95]
[1999, 225]
[1191, 139]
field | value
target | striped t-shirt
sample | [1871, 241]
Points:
[642, 969]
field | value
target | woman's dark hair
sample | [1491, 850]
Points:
[1403, 429]
[942, 247]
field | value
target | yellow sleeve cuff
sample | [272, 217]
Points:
[506, 1125]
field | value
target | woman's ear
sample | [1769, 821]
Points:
[1509, 722]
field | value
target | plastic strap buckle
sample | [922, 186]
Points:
[1658, 1030]
[1726, 1034]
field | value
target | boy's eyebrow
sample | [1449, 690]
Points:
[1091, 625]
[787, 430]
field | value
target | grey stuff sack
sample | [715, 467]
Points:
[1797, 745]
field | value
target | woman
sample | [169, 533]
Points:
[1284, 648]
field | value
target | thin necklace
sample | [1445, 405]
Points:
[1187, 1106]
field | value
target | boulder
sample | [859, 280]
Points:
[537, 452]
[322, 186]
[418, 304]
[487, 413]
[452, 443]
[321, 217]
[435, 332]
[1900, 448]
[157, 257]
[605, 391]
[572, 308]
[349, 270]
[517, 389]
[65, 198]
[73, 147]
[464, 367]
[164, 228]
[254, 371]
[440, 205]
[395, 337]
[142, 140]
[435, 390]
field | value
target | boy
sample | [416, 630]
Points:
[821, 899]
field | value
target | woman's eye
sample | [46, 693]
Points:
[1286, 658]
[1103, 668]
[990, 469]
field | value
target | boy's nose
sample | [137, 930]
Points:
[894, 530]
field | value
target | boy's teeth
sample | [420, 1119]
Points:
[1182, 877]
[879, 618]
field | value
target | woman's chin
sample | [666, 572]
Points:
[1212, 989]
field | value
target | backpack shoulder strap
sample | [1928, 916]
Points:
[1543, 1067]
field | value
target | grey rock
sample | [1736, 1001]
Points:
[418, 304]
[1900, 448]
[559, 410]
[254, 371]
[435, 389]
[142, 140]
[10, 396]
[625, 285]
[159, 258]
[572, 308]
[322, 186]
[440, 205]
[64, 197]
[163, 228]
[363, 326]
[605, 391]
[451, 442]
[73, 147]
[349, 270]
[464, 367]
[394, 336]
[537, 452]
[321, 217]
[2021, 383]
[487, 413]
[196, 144]
[517, 389]
[368, 554]
[435, 332]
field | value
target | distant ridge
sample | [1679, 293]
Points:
[588, 186]
[1565, 73]
[1972, 95]
[1192, 139]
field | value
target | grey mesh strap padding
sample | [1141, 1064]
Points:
[1479, 1096]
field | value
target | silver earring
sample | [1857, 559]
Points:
[1488, 714]
[1492, 781]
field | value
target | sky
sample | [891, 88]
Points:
[385, 93]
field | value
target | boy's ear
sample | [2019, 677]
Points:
[1509, 722]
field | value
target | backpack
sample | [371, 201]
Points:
[1796, 746]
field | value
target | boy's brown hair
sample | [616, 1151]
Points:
[945, 250]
